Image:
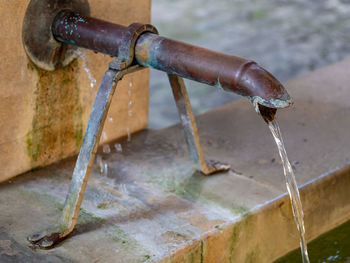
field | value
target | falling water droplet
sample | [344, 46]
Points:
[129, 134]
[118, 147]
[106, 148]
[104, 136]
[100, 163]
[110, 119]
[86, 68]
[130, 113]
[105, 169]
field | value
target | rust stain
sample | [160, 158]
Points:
[200, 220]
[57, 128]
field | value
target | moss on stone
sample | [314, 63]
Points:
[51, 201]
[87, 218]
[190, 188]
[106, 204]
[258, 14]
[33, 196]
[57, 122]
[129, 243]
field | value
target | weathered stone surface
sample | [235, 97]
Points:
[153, 207]
[43, 114]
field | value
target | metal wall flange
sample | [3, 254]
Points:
[100, 36]
[38, 41]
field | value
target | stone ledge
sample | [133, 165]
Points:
[153, 207]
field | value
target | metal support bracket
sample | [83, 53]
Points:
[49, 237]
[118, 68]
[86, 157]
[190, 129]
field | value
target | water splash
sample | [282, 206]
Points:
[292, 188]
[86, 68]
[118, 147]
[130, 105]
[102, 165]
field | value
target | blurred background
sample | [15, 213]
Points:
[287, 37]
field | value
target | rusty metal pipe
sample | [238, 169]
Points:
[230, 73]
[91, 33]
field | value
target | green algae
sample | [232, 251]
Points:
[120, 236]
[86, 217]
[190, 188]
[258, 14]
[235, 237]
[129, 244]
[106, 204]
[42, 198]
[252, 257]
[53, 202]
[57, 120]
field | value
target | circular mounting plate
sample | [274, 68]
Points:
[38, 41]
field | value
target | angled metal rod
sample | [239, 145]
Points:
[190, 128]
[84, 162]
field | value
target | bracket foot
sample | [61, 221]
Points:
[190, 129]
[48, 238]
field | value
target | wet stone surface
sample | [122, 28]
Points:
[12, 251]
[288, 38]
[152, 206]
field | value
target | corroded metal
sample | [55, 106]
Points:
[230, 73]
[37, 38]
[100, 36]
[190, 128]
[86, 157]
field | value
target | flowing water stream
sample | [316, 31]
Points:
[292, 188]
[268, 115]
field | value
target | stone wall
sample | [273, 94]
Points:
[43, 114]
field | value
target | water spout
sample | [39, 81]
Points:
[231, 73]
[136, 47]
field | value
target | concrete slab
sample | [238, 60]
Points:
[153, 207]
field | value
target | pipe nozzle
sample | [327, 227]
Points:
[261, 87]
[230, 73]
